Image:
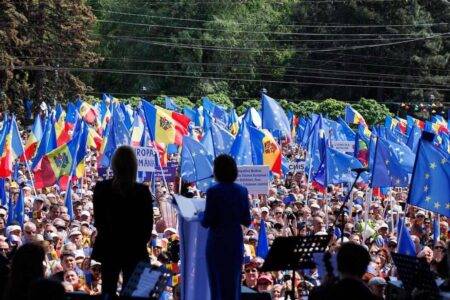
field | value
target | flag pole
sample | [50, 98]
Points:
[369, 196]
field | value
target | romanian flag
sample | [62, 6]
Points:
[265, 149]
[59, 162]
[352, 116]
[33, 140]
[11, 147]
[165, 126]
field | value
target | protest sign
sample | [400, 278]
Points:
[145, 158]
[254, 178]
[344, 146]
[297, 166]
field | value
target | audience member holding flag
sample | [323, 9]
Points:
[400, 205]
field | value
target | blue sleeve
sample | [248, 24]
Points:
[210, 214]
[246, 218]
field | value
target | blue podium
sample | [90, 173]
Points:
[194, 274]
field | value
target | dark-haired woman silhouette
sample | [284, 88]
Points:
[227, 208]
[26, 267]
[123, 212]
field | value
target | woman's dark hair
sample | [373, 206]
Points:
[26, 267]
[225, 169]
[124, 166]
[353, 259]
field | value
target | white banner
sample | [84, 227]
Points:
[145, 158]
[254, 178]
[344, 146]
[297, 166]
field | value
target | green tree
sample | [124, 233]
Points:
[45, 42]
[372, 111]
[331, 108]
[255, 103]
[307, 107]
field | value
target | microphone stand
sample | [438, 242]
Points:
[341, 209]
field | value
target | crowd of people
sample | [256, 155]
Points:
[51, 246]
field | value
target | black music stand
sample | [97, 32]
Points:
[147, 282]
[294, 253]
[415, 273]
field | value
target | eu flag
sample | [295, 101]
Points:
[170, 104]
[430, 183]
[68, 200]
[217, 140]
[274, 118]
[263, 244]
[414, 137]
[337, 168]
[217, 112]
[241, 150]
[3, 199]
[405, 245]
[196, 165]
[252, 117]
[19, 209]
[393, 164]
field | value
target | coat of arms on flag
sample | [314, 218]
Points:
[164, 123]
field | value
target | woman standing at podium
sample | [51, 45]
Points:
[227, 208]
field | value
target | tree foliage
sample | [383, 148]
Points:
[372, 111]
[41, 45]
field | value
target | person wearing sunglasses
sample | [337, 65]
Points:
[251, 275]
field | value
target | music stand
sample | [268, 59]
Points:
[146, 282]
[294, 253]
[415, 273]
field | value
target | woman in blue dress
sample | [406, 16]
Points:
[227, 208]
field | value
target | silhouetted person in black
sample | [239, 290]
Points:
[352, 262]
[124, 219]
[26, 267]
[46, 289]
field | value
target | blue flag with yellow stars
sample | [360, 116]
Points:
[430, 183]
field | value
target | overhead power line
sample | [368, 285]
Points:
[250, 31]
[128, 72]
[234, 49]
[307, 25]
[268, 67]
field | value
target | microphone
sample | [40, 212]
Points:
[360, 170]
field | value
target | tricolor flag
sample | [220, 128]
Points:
[11, 147]
[165, 126]
[59, 162]
[352, 116]
[87, 111]
[33, 140]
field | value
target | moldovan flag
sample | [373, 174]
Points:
[265, 148]
[33, 140]
[165, 126]
[57, 163]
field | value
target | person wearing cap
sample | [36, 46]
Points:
[264, 283]
[113, 220]
[227, 208]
